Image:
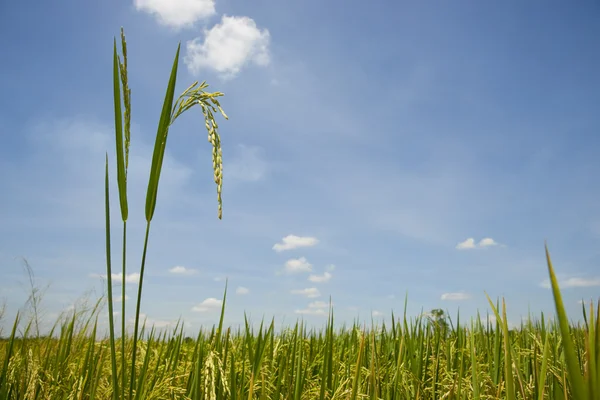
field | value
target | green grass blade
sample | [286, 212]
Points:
[109, 285]
[161, 141]
[578, 387]
[121, 177]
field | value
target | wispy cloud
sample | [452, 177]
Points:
[228, 47]
[297, 265]
[573, 282]
[181, 270]
[247, 164]
[320, 278]
[177, 14]
[291, 242]
[209, 304]
[308, 292]
[157, 323]
[456, 296]
[470, 244]
[120, 299]
[129, 278]
[242, 290]
[376, 313]
[311, 311]
[314, 308]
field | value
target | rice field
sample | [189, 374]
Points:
[418, 358]
[428, 357]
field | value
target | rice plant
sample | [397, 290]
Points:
[425, 357]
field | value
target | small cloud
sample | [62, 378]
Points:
[318, 304]
[573, 282]
[293, 242]
[228, 47]
[311, 311]
[376, 313]
[456, 296]
[391, 296]
[129, 278]
[467, 244]
[483, 243]
[242, 290]
[157, 323]
[247, 165]
[330, 267]
[487, 242]
[209, 304]
[296, 265]
[177, 14]
[320, 278]
[120, 299]
[180, 270]
[308, 292]
[314, 308]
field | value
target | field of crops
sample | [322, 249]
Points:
[426, 358]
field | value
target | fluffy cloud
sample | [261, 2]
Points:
[314, 308]
[296, 265]
[456, 296]
[177, 13]
[487, 242]
[467, 244]
[242, 290]
[293, 242]
[157, 323]
[311, 311]
[129, 278]
[209, 304]
[180, 270]
[320, 278]
[573, 282]
[470, 244]
[228, 47]
[308, 292]
[376, 313]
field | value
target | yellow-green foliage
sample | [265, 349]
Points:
[404, 360]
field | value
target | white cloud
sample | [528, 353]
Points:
[314, 308]
[247, 165]
[486, 242]
[242, 290]
[177, 13]
[209, 304]
[470, 244]
[311, 311]
[157, 323]
[376, 313]
[296, 265]
[320, 278]
[330, 267]
[308, 292]
[120, 299]
[573, 282]
[129, 278]
[293, 242]
[228, 47]
[467, 244]
[180, 270]
[318, 304]
[456, 296]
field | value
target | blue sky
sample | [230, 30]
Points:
[372, 150]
